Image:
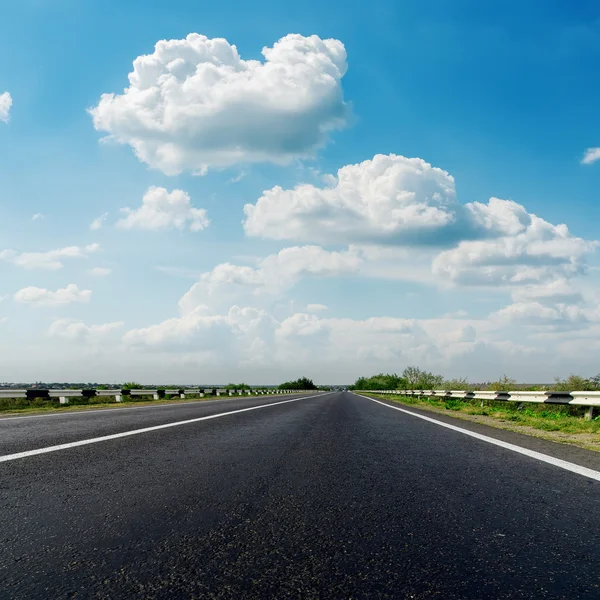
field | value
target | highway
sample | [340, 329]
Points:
[333, 496]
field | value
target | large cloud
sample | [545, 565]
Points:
[407, 203]
[163, 210]
[195, 103]
[390, 199]
[5, 105]
[387, 199]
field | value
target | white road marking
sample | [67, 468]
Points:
[97, 411]
[557, 462]
[115, 436]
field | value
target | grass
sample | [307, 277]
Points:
[567, 423]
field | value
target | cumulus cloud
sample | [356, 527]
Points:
[557, 291]
[163, 210]
[50, 260]
[100, 271]
[540, 253]
[228, 283]
[74, 330]
[390, 198]
[591, 156]
[37, 217]
[5, 105]
[194, 103]
[42, 297]
[98, 222]
[244, 335]
[407, 204]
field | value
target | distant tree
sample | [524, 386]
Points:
[131, 385]
[504, 384]
[237, 386]
[460, 383]
[300, 384]
[381, 381]
[576, 383]
[418, 379]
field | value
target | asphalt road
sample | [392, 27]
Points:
[332, 496]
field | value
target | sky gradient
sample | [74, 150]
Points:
[196, 192]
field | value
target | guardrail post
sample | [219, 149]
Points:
[118, 398]
[63, 400]
[589, 415]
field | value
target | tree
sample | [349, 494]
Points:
[132, 385]
[300, 384]
[417, 379]
[381, 381]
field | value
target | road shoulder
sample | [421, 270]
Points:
[510, 434]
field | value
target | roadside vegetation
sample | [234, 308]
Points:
[566, 420]
[300, 384]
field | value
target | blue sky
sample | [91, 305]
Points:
[410, 260]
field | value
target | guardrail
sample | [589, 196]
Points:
[65, 395]
[589, 399]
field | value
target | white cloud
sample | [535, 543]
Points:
[100, 271]
[557, 291]
[98, 222]
[227, 283]
[5, 105]
[591, 156]
[541, 253]
[559, 317]
[408, 205]
[74, 330]
[316, 307]
[387, 199]
[390, 199]
[194, 103]
[163, 210]
[42, 297]
[50, 260]
[37, 217]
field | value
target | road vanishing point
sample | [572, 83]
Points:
[327, 496]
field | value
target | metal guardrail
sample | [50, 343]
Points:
[159, 393]
[590, 399]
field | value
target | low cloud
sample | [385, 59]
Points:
[163, 210]
[74, 330]
[51, 260]
[36, 296]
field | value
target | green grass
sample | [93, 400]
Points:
[20, 405]
[563, 418]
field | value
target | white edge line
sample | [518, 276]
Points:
[97, 411]
[557, 462]
[115, 436]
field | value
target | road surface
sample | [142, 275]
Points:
[326, 497]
